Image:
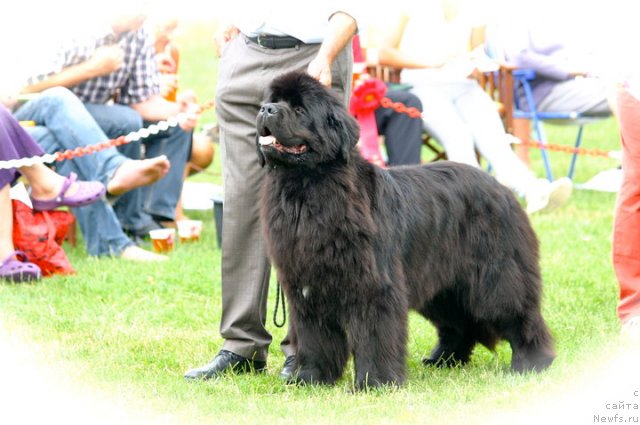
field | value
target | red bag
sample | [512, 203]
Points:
[39, 235]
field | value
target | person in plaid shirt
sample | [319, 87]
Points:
[115, 75]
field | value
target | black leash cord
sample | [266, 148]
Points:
[279, 296]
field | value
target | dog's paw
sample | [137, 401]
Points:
[369, 383]
[449, 361]
[304, 376]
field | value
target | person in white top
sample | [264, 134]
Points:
[439, 47]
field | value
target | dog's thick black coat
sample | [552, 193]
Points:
[356, 246]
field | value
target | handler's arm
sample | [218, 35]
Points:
[225, 34]
[341, 28]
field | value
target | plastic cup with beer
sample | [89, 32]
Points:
[162, 240]
[189, 230]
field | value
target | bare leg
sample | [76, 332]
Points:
[45, 183]
[136, 173]
[6, 224]
[202, 153]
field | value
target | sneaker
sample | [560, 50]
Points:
[546, 196]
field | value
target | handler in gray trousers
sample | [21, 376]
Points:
[261, 44]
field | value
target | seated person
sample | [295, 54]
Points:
[402, 133]
[62, 123]
[433, 49]
[565, 79]
[49, 190]
[168, 60]
[116, 76]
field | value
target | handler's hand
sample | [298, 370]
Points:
[223, 36]
[320, 69]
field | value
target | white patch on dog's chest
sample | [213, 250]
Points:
[306, 291]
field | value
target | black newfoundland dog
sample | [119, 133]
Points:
[356, 246]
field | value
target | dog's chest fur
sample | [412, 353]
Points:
[317, 233]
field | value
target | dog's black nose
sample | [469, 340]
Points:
[269, 109]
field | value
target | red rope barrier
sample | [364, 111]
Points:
[399, 107]
[89, 149]
[85, 150]
[566, 149]
[385, 102]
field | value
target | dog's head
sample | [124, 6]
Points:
[303, 123]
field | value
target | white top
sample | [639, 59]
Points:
[439, 31]
[306, 21]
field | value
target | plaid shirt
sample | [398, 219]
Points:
[135, 82]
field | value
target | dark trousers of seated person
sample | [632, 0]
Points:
[402, 134]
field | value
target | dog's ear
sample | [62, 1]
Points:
[348, 132]
[261, 157]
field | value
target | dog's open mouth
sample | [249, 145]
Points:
[271, 141]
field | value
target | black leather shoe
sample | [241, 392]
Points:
[225, 362]
[287, 368]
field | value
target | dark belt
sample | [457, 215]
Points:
[275, 41]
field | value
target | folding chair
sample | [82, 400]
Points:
[521, 84]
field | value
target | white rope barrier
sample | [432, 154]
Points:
[134, 136]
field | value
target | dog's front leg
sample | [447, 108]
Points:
[322, 351]
[380, 343]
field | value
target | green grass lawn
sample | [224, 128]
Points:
[133, 329]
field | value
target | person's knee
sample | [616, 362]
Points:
[115, 120]
[61, 93]
[129, 122]
[58, 97]
[412, 101]
[405, 97]
[202, 152]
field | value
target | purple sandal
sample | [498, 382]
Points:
[87, 193]
[19, 271]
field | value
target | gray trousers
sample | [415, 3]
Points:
[584, 95]
[245, 72]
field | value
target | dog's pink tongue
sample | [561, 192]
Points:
[266, 140]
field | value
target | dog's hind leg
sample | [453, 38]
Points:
[531, 343]
[456, 336]
[454, 347]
